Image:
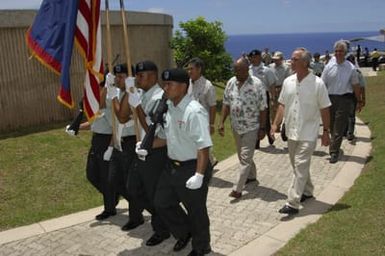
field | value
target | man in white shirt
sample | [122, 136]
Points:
[341, 80]
[303, 100]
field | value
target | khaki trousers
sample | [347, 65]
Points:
[300, 153]
[245, 149]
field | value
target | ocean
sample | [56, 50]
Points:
[286, 43]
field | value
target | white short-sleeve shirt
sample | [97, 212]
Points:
[303, 102]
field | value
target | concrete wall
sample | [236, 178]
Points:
[28, 90]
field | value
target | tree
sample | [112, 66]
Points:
[205, 40]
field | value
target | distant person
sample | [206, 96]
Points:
[352, 116]
[269, 80]
[281, 71]
[366, 56]
[303, 102]
[341, 79]
[244, 99]
[266, 57]
[358, 53]
[327, 57]
[375, 56]
[316, 65]
[203, 91]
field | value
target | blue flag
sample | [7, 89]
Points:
[51, 40]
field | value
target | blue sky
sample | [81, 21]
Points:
[259, 17]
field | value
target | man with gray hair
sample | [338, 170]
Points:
[303, 100]
[342, 83]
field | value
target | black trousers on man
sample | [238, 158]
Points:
[171, 191]
[267, 125]
[342, 106]
[121, 164]
[142, 182]
[97, 168]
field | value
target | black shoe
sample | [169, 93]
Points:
[271, 140]
[250, 180]
[306, 197]
[156, 239]
[199, 252]
[131, 225]
[333, 158]
[104, 215]
[181, 243]
[288, 210]
[350, 137]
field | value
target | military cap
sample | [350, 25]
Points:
[255, 52]
[120, 68]
[146, 65]
[176, 74]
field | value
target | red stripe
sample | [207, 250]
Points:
[42, 54]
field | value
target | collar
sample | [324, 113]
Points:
[182, 104]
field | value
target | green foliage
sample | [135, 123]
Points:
[205, 40]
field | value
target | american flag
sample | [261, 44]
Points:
[51, 38]
[88, 38]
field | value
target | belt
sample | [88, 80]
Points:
[129, 138]
[177, 164]
[346, 95]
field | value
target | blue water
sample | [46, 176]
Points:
[286, 43]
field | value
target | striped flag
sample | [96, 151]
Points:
[51, 38]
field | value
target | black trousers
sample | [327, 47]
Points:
[121, 164]
[97, 168]
[267, 123]
[143, 180]
[342, 106]
[171, 191]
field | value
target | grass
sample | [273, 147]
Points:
[42, 173]
[358, 229]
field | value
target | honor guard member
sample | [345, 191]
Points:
[186, 177]
[269, 80]
[143, 178]
[123, 153]
[100, 153]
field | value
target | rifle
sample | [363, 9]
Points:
[156, 118]
[74, 126]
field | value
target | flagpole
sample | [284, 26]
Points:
[128, 60]
[110, 68]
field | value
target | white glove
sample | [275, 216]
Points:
[142, 153]
[70, 132]
[110, 80]
[195, 181]
[112, 92]
[134, 99]
[107, 154]
[130, 83]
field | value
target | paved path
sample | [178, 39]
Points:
[250, 225]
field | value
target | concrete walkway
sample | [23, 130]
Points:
[250, 225]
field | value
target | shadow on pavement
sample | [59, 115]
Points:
[316, 207]
[260, 192]
[220, 183]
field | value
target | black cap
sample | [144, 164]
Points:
[255, 52]
[146, 65]
[176, 74]
[120, 68]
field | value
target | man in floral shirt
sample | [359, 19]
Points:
[245, 100]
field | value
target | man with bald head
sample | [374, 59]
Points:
[244, 100]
